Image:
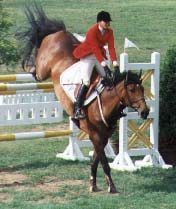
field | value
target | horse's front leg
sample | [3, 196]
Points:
[94, 166]
[107, 171]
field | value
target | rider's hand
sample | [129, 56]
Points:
[108, 79]
[116, 67]
[108, 72]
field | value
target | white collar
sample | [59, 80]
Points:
[102, 30]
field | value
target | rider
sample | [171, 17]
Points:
[92, 53]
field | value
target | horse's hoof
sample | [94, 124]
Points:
[112, 190]
[93, 189]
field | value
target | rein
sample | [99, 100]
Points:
[101, 112]
[131, 102]
[100, 107]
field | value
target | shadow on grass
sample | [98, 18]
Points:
[157, 180]
[12, 185]
[41, 165]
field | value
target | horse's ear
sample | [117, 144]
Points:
[140, 74]
[126, 79]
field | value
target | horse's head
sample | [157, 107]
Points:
[133, 94]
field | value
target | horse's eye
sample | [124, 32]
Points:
[132, 90]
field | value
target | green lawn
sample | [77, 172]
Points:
[32, 177]
[150, 24]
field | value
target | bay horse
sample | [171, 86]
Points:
[52, 46]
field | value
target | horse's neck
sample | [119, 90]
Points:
[112, 98]
[119, 91]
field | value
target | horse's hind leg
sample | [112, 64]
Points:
[94, 166]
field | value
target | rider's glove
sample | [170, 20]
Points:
[108, 72]
[116, 67]
[108, 79]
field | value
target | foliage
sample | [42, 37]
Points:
[8, 47]
[167, 122]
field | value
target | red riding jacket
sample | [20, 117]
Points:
[94, 44]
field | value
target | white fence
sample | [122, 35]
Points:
[27, 103]
[30, 108]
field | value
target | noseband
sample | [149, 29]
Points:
[131, 102]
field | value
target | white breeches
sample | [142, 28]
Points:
[86, 68]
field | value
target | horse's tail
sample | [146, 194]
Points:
[39, 27]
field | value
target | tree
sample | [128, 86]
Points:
[167, 121]
[8, 46]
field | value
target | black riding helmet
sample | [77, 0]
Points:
[105, 16]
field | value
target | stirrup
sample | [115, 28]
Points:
[78, 115]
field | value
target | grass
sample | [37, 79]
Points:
[149, 24]
[31, 177]
[35, 178]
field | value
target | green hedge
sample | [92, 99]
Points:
[167, 121]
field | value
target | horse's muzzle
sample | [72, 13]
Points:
[144, 113]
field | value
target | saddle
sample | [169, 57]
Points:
[95, 79]
[70, 82]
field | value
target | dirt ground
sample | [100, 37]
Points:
[16, 182]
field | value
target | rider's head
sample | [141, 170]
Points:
[103, 16]
[103, 19]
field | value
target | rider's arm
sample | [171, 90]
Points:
[111, 48]
[93, 41]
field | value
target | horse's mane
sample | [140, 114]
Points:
[129, 77]
[39, 27]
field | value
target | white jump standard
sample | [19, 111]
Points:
[123, 160]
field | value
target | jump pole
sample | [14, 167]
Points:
[34, 135]
[25, 86]
[13, 92]
[17, 77]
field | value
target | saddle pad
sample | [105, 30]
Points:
[69, 80]
[79, 37]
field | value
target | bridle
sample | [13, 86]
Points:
[121, 100]
[131, 102]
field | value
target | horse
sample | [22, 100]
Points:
[52, 47]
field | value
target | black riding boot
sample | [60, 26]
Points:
[79, 102]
